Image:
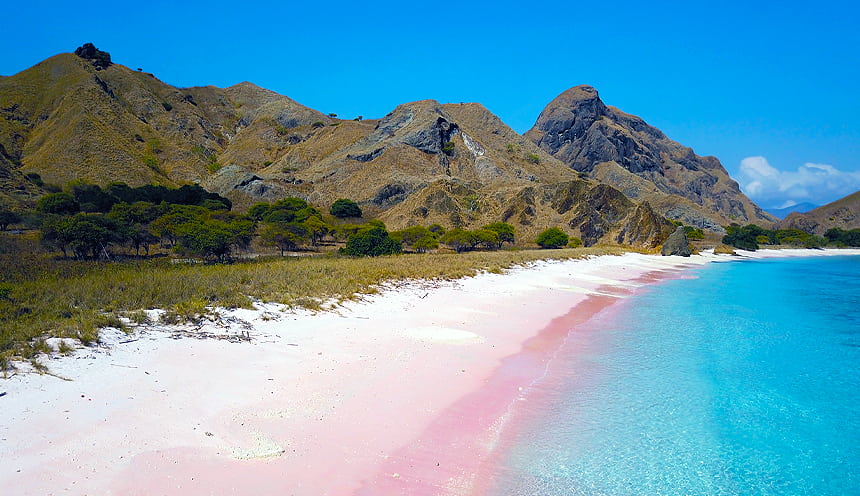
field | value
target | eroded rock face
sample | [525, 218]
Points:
[677, 244]
[584, 133]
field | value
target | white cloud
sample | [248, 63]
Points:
[815, 183]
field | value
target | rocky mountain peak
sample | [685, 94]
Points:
[99, 59]
[624, 151]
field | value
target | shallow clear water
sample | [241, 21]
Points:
[743, 380]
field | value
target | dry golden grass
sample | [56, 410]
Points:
[74, 300]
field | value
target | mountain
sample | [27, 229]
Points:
[781, 213]
[603, 175]
[625, 152]
[843, 213]
[455, 164]
[66, 119]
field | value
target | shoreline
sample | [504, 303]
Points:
[330, 403]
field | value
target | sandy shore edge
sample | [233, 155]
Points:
[328, 403]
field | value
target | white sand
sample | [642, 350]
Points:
[312, 405]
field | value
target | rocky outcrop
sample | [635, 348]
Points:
[677, 244]
[99, 59]
[628, 154]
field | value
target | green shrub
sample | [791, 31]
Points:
[533, 158]
[574, 242]
[552, 238]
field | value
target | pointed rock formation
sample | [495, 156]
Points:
[623, 151]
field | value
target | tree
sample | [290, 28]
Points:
[169, 226]
[91, 198]
[291, 203]
[54, 234]
[317, 229]
[371, 242]
[8, 217]
[552, 238]
[87, 235]
[343, 208]
[259, 210]
[504, 230]
[210, 240]
[286, 237]
[460, 239]
[425, 243]
[410, 235]
[489, 239]
[61, 203]
[742, 237]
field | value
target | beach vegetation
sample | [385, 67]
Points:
[552, 238]
[68, 298]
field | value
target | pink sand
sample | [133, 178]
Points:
[403, 393]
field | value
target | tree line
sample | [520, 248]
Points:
[86, 221]
[751, 237]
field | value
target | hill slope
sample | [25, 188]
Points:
[843, 213]
[67, 120]
[623, 151]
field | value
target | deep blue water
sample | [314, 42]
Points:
[742, 381]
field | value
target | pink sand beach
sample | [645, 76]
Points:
[403, 392]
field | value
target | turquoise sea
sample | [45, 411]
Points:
[743, 379]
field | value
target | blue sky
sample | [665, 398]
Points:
[772, 89]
